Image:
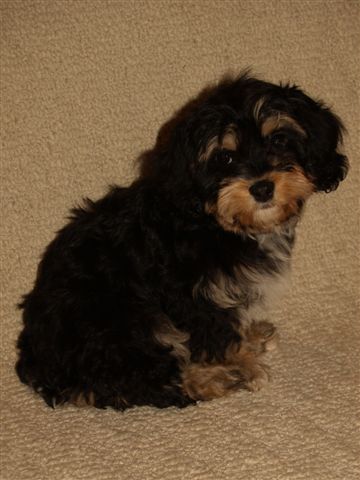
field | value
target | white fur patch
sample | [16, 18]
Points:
[251, 291]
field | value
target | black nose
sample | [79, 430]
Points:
[262, 191]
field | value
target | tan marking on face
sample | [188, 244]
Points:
[229, 140]
[236, 210]
[257, 108]
[290, 187]
[234, 204]
[210, 147]
[280, 120]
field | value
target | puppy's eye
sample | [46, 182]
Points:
[279, 140]
[226, 157]
[222, 158]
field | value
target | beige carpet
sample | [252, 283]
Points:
[84, 87]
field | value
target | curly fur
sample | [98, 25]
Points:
[151, 294]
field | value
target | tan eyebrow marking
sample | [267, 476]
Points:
[280, 120]
[228, 140]
[257, 108]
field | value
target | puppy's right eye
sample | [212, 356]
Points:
[222, 159]
[227, 157]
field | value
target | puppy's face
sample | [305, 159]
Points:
[259, 159]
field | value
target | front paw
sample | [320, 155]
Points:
[260, 337]
[260, 376]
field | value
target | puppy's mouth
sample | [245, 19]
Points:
[266, 205]
[237, 209]
[266, 217]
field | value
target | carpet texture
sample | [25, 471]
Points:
[85, 86]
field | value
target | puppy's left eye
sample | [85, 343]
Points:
[279, 140]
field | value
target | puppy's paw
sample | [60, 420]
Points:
[205, 382]
[260, 376]
[260, 337]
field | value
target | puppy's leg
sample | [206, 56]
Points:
[241, 369]
[207, 381]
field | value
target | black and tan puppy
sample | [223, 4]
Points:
[157, 293]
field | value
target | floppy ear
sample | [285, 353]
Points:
[324, 164]
[328, 177]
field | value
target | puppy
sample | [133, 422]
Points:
[156, 294]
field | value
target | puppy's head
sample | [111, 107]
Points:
[255, 152]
